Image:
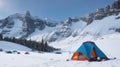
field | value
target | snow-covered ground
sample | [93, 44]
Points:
[6, 46]
[109, 44]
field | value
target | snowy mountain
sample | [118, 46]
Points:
[101, 22]
[97, 28]
[73, 27]
[22, 25]
[27, 26]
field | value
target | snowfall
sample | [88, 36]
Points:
[109, 44]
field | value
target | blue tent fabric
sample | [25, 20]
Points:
[87, 47]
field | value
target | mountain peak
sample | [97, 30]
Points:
[27, 13]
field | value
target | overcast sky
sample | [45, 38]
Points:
[53, 9]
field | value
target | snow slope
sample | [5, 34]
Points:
[109, 44]
[12, 46]
[102, 27]
[16, 30]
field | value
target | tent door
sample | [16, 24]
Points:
[93, 54]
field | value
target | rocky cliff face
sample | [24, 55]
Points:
[25, 22]
[100, 13]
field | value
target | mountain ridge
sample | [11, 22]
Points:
[30, 27]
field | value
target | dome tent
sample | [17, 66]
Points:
[89, 51]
